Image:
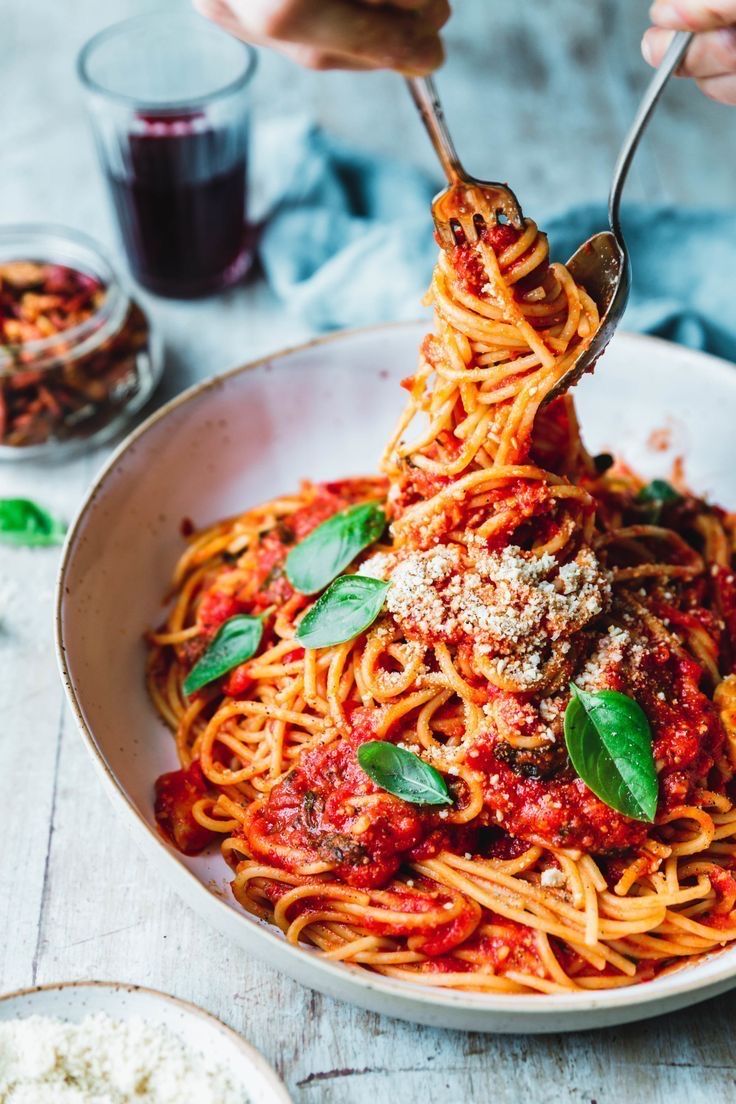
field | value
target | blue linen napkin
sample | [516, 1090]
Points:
[683, 261]
[348, 242]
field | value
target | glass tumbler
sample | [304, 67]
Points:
[169, 98]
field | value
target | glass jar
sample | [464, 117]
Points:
[80, 382]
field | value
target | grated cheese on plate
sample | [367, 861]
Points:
[104, 1061]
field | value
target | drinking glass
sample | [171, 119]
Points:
[169, 98]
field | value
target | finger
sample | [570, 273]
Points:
[721, 88]
[220, 12]
[385, 37]
[693, 15]
[216, 10]
[711, 53]
[320, 60]
[310, 58]
[406, 5]
[436, 12]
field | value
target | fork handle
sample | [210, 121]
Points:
[424, 94]
[674, 55]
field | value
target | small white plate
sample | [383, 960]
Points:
[323, 411]
[73, 1000]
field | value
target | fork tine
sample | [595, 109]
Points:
[468, 226]
[445, 235]
[462, 211]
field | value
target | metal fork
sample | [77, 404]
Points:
[465, 202]
[601, 265]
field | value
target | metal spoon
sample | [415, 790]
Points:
[601, 265]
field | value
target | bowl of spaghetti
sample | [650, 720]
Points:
[452, 741]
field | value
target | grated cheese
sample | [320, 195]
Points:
[510, 604]
[104, 1061]
[552, 878]
[613, 649]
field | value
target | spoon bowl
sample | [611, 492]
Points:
[601, 266]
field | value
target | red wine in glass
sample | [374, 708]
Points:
[180, 199]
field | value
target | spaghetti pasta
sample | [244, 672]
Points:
[516, 563]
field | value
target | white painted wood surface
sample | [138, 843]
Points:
[537, 91]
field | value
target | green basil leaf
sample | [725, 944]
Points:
[659, 490]
[22, 522]
[609, 741]
[348, 606]
[403, 774]
[655, 496]
[334, 544]
[236, 640]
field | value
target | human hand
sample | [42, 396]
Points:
[340, 34]
[711, 59]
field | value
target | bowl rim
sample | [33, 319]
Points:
[254, 1056]
[645, 995]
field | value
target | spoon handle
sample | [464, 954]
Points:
[675, 53]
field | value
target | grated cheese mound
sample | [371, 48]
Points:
[510, 604]
[104, 1061]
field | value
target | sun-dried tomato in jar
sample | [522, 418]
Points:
[77, 355]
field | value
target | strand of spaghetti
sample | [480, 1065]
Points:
[700, 839]
[591, 879]
[182, 603]
[483, 982]
[530, 896]
[202, 812]
[336, 694]
[392, 713]
[462, 487]
[178, 637]
[549, 961]
[159, 699]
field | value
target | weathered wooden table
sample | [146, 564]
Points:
[538, 92]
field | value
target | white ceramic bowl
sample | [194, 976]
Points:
[324, 410]
[74, 1000]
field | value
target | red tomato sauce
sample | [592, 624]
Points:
[523, 500]
[564, 813]
[724, 588]
[688, 735]
[263, 582]
[510, 946]
[176, 795]
[216, 607]
[314, 812]
[431, 939]
[467, 264]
